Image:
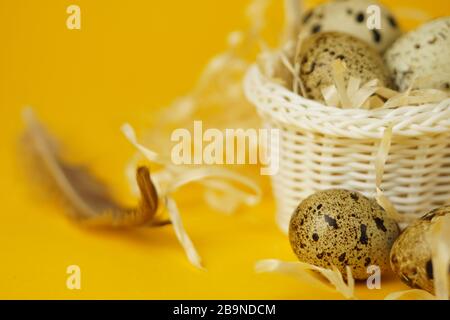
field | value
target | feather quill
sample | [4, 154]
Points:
[88, 200]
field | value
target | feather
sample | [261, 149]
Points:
[87, 200]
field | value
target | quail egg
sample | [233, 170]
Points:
[342, 228]
[319, 51]
[351, 16]
[411, 252]
[422, 56]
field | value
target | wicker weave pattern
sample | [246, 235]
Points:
[325, 147]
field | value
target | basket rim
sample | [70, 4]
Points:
[294, 110]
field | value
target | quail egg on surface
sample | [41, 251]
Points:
[319, 51]
[342, 228]
[411, 252]
[422, 55]
[350, 16]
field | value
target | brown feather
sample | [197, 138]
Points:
[88, 200]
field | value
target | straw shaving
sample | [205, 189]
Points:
[226, 190]
[302, 271]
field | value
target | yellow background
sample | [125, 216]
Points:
[129, 58]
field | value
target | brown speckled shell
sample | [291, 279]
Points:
[340, 228]
[350, 16]
[319, 51]
[411, 252]
[421, 58]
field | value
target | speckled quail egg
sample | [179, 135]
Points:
[319, 51]
[351, 16]
[342, 228]
[411, 252]
[422, 55]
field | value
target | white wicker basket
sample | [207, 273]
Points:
[326, 147]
